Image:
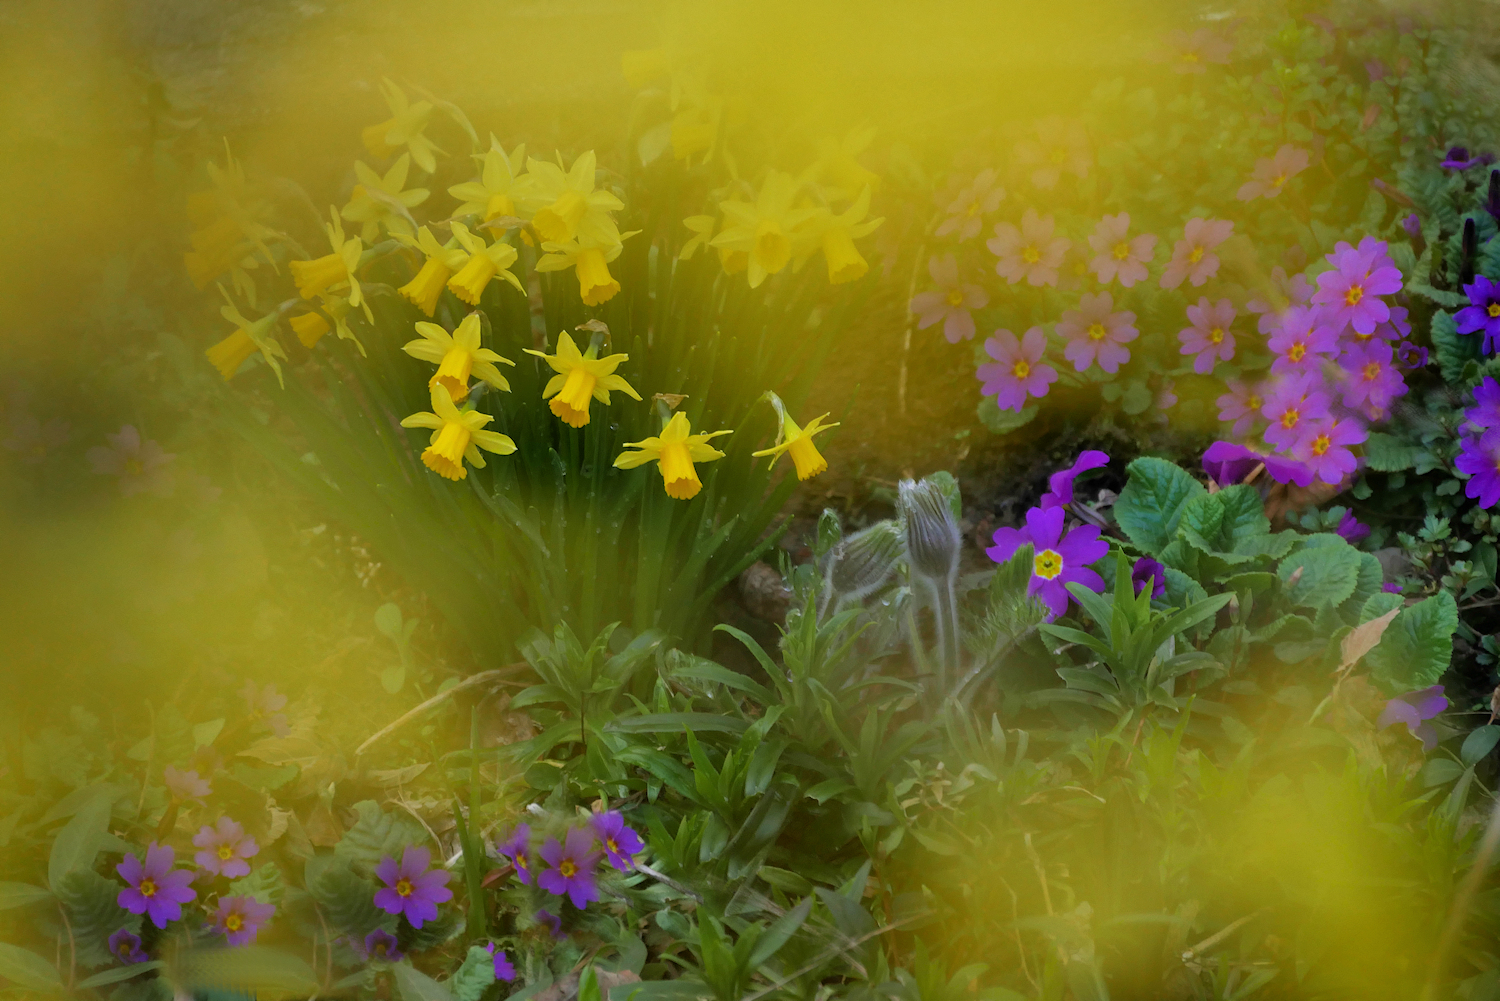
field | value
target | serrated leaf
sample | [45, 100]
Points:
[1416, 647]
[81, 837]
[1151, 505]
[474, 976]
[1386, 453]
[346, 898]
[1324, 576]
[264, 884]
[94, 914]
[119, 973]
[375, 835]
[1452, 350]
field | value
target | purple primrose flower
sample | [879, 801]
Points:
[225, 847]
[950, 302]
[1241, 405]
[1371, 381]
[572, 872]
[1095, 332]
[1193, 258]
[185, 785]
[1351, 292]
[1301, 342]
[1480, 458]
[1209, 337]
[266, 705]
[239, 918]
[619, 841]
[1290, 403]
[1458, 158]
[1415, 709]
[1482, 314]
[1486, 412]
[517, 848]
[1148, 572]
[1018, 371]
[410, 888]
[967, 209]
[503, 968]
[141, 466]
[381, 946]
[127, 947]
[1060, 484]
[1059, 558]
[553, 923]
[1272, 173]
[1323, 447]
[1031, 252]
[1117, 255]
[156, 889]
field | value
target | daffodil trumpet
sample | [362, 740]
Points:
[674, 451]
[796, 441]
[457, 436]
[457, 357]
[581, 378]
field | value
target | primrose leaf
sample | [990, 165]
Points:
[1322, 577]
[473, 978]
[1152, 503]
[1415, 649]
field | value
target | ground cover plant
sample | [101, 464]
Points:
[561, 680]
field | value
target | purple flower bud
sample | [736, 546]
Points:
[1413, 225]
[1149, 572]
[1415, 709]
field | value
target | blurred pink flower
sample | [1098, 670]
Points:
[1193, 257]
[1060, 144]
[1241, 405]
[1209, 337]
[1192, 53]
[1271, 174]
[1117, 256]
[1018, 371]
[1095, 332]
[967, 209]
[950, 302]
[1030, 252]
[140, 466]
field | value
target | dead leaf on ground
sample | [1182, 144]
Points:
[1363, 638]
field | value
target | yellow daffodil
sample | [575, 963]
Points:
[380, 201]
[643, 66]
[457, 356]
[227, 233]
[490, 197]
[835, 236]
[590, 256]
[581, 378]
[837, 168]
[676, 449]
[456, 435]
[764, 230]
[441, 261]
[484, 263]
[403, 128]
[702, 228]
[563, 204]
[316, 277]
[310, 328]
[249, 337]
[796, 440]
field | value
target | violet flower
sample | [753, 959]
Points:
[142, 466]
[1351, 291]
[1060, 145]
[1059, 558]
[33, 440]
[1458, 158]
[572, 872]
[1479, 456]
[1193, 258]
[1241, 405]
[1018, 371]
[503, 968]
[517, 848]
[951, 302]
[1482, 314]
[968, 208]
[1031, 252]
[127, 947]
[1289, 404]
[185, 785]
[1415, 709]
[1350, 528]
[1209, 338]
[411, 888]
[225, 847]
[156, 889]
[1227, 463]
[1371, 381]
[1294, 290]
[1323, 447]
[553, 923]
[239, 918]
[1486, 412]
[1271, 174]
[1149, 572]
[619, 841]
[1302, 343]
[1118, 255]
[381, 946]
[1411, 356]
[1060, 484]
[1095, 333]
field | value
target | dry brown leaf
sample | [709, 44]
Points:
[1363, 638]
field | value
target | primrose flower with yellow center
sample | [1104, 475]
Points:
[589, 256]
[562, 204]
[441, 261]
[249, 337]
[316, 277]
[837, 234]
[796, 440]
[456, 435]
[491, 196]
[763, 231]
[403, 128]
[581, 378]
[457, 356]
[382, 201]
[485, 263]
[675, 450]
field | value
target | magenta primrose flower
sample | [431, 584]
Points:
[127, 947]
[553, 923]
[1351, 291]
[1117, 255]
[1294, 400]
[410, 888]
[1209, 338]
[1018, 371]
[1241, 405]
[517, 848]
[225, 847]
[1271, 174]
[1149, 573]
[1059, 558]
[1411, 356]
[239, 918]
[1060, 144]
[1371, 381]
[1458, 158]
[967, 209]
[503, 968]
[951, 302]
[1031, 252]
[1193, 258]
[1415, 709]
[266, 705]
[1060, 484]
[1479, 456]
[619, 841]
[1301, 343]
[1350, 528]
[1227, 463]
[1482, 315]
[1295, 290]
[156, 889]
[572, 872]
[381, 946]
[1323, 447]
[1095, 333]
[185, 785]
[141, 466]
[1394, 328]
[1486, 412]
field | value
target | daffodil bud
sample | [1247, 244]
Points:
[864, 561]
[932, 535]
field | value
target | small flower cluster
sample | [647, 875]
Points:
[573, 861]
[1479, 456]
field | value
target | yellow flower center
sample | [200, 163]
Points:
[772, 249]
[1254, 402]
[425, 288]
[1320, 444]
[1297, 352]
[1278, 180]
[380, 948]
[453, 373]
[521, 861]
[1196, 255]
[315, 277]
[1189, 57]
[1216, 335]
[808, 459]
[955, 297]
[1372, 371]
[499, 205]
[470, 282]
[1030, 254]
[1021, 369]
[572, 401]
[1097, 331]
[445, 456]
[559, 221]
[612, 845]
[1122, 250]
[568, 868]
[1355, 293]
[147, 888]
[973, 209]
[234, 922]
[1290, 416]
[677, 472]
[1493, 309]
[403, 886]
[1048, 564]
[226, 852]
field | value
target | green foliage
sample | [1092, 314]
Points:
[1415, 649]
[1153, 501]
[474, 976]
[376, 834]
